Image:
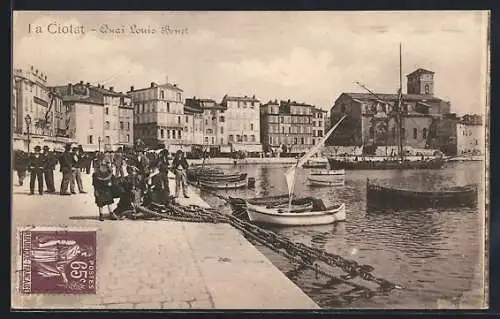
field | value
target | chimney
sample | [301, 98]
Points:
[175, 85]
[253, 96]
[81, 82]
[111, 88]
[131, 88]
[70, 89]
[153, 84]
[88, 84]
[288, 100]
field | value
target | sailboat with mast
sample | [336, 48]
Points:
[401, 161]
[297, 211]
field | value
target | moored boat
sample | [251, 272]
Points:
[222, 178]
[391, 163]
[284, 217]
[222, 184]
[314, 164]
[380, 197]
[327, 178]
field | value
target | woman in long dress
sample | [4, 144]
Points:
[103, 180]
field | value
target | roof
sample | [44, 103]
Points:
[197, 105]
[295, 103]
[420, 71]
[104, 91]
[317, 109]
[166, 85]
[391, 97]
[83, 99]
[240, 98]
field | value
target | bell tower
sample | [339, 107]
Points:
[421, 81]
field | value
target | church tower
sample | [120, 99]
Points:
[421, 81]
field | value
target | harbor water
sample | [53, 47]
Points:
[436, 255]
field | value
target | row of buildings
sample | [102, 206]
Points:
[101, 118]
[426, 120]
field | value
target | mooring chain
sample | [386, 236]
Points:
[297, 252]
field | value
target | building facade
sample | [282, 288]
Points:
[38, 115]
[193, 111]
[159, 115]
[319, 124]
[126, 118]
[289, 126]
[371, 118]
[242, 123]
[96, 117]
[470, 135]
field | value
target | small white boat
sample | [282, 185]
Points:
[280, 216]
[327, 178]
[222, 184]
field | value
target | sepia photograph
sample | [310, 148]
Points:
[272, 160]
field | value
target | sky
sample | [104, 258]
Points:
[309, 57]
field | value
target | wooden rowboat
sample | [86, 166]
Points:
[222, 184]
[387, 197]
[283, 217]
[327, 178]
[314, 165]
[223, 178]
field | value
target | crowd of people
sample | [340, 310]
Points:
[135, 177]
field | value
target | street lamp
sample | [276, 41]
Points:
[99, 141]
[28, 124]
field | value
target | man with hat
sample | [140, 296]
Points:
[163, 167]
[180, 166]
[36, 166]
[48, 170]
[66, 165]
[76, 175]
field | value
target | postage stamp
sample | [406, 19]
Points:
[58, 261]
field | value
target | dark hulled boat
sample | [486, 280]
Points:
[380, 197]
[434, 163]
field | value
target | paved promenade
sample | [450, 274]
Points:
[158, 264]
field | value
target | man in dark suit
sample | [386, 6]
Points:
[76, 171]
[36, 166]
[66, 165]
[48, 170]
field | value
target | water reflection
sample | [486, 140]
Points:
[434, 254]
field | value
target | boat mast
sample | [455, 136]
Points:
[400, 107]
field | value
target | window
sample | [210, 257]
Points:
[294, 140]
[128, 138]
[282, 129]
[221, 141]
[253, 103]
[289, 130]
[162, 94]
[206, 139]
[320, 123]
[253, 138]
[427, 89]
[213, 140]
[178, 95]
[314, 141]
[106, 110]
[128, 126]
[206, 122]
[320, 133]
[168, 107]
[168, 134]
[415, 133]
[152, 107]
[187, 119]
[251, 126]
[162, 133]
[106, 140]
[301, 140]
[222, 119]
[424, 133]
[230, 138]
[245, 138]
[271, 140]
[121, 125]
[282, 119]
[91, 124]
[178, 120]
[90, 139]
[142, 108]
[106, 125]
[173, 134]
[372, 133]
[238, 138]
[179, 134]
[222, 130]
